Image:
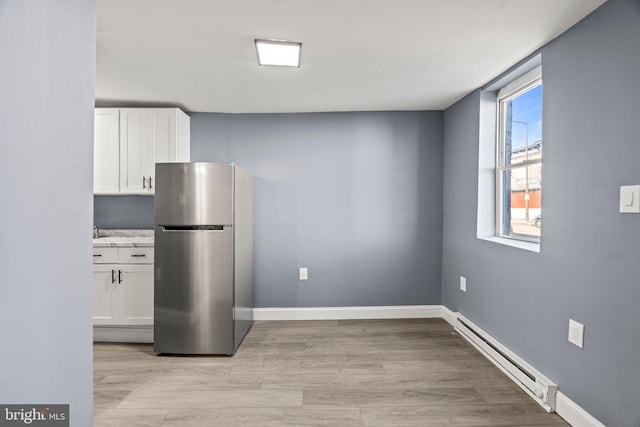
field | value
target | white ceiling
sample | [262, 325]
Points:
[357, 55]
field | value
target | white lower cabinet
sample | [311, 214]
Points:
[123, 291]
[104, 295]
[122, 294]
[136, 295]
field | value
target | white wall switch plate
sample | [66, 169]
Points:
[303, 273]
[576, 333]
[630, 199]
[463, 284]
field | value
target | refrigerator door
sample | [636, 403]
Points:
[193, 290]
[197, 193]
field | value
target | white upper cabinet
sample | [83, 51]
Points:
[106, 151]
[168, 129]
[137, 157]
[146, 136]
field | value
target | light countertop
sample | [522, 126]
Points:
[124, 238]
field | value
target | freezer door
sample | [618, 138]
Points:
[193, 290]
[194, 193]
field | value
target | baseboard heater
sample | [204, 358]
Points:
[540, 388]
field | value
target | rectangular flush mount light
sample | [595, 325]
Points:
[278, 53]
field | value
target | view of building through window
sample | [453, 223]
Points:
[520, 182]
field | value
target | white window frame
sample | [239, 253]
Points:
[510, 91]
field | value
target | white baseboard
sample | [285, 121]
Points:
[344, 313]
[450, 316]
[574, 414]
[540, 388]
[566, 408]
[139, 334]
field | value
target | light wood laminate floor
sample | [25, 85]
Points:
[414, 372]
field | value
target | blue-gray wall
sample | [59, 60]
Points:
[355, 197]
[123, 212]
[589, 263]
[48, 51]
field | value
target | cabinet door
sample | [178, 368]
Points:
[183, 145]
[162, 129]
[136, 295]
[162, 132]
[105, 307]
[106, 151]
[137, 151]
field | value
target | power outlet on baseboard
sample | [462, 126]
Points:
[463, 284]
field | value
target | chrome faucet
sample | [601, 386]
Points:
[96, 232]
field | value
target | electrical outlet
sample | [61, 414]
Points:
[303, 273]
[576, 333]
[463, 284]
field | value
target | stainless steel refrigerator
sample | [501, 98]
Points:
[203, 291]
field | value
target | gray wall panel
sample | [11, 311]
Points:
[48, 51]
[356, 197]
[123, 212]
[588, 266]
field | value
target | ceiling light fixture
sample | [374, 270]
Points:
[278, 53]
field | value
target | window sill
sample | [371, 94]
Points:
[520, 244]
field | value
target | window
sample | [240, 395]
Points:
[519, 158]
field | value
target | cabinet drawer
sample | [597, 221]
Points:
[135, 255]
[105, 255]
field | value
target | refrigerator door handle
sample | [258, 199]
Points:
[182, 228]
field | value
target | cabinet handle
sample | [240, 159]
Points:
[113, 276]
[138, 255]
[97, 255]
[119, 276]
[144, 182]
[150, 181]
